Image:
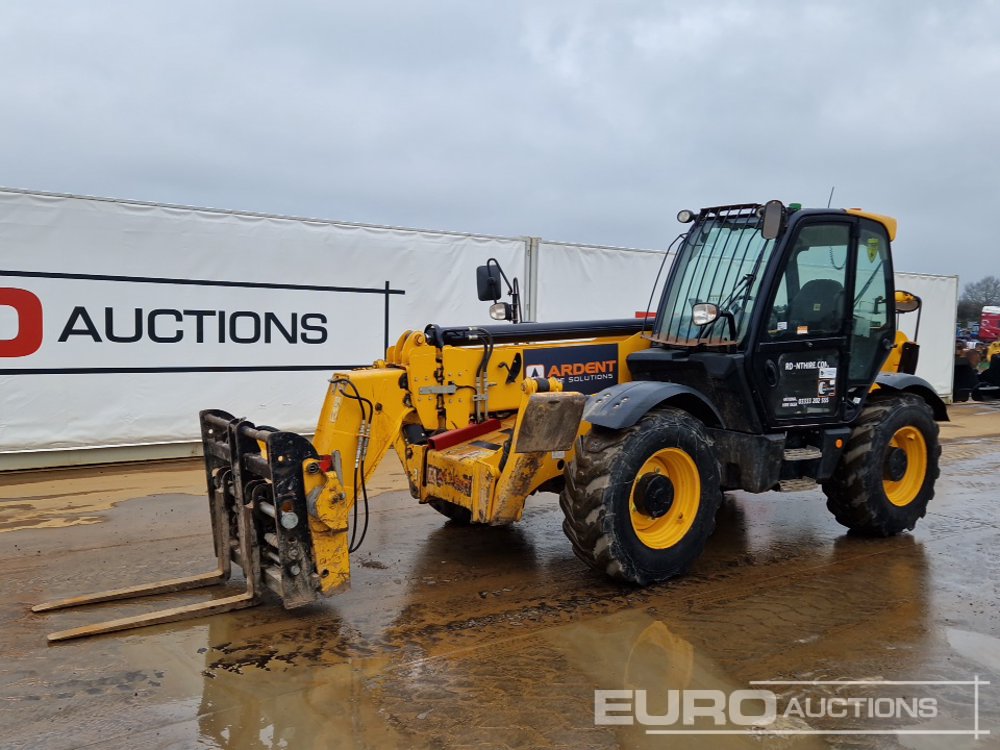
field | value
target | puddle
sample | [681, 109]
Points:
[455, 636]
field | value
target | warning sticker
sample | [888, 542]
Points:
[586, 369]
[872, 249]
[827, 385]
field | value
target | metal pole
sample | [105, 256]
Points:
[531, 278]
[385, 351]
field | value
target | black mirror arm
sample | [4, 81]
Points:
[495, 262]
[730, 320]
[515, 299]
[512, 289]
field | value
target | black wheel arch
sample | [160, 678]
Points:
[899, 382]
[623, 405]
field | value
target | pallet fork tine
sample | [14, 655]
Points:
[134, 592]
[248, 598]
[244, 548]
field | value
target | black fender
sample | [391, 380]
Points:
[902, 382]
[623, 405]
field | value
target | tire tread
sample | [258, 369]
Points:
[849, 491]
[589, 521]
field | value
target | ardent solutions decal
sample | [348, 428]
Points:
[587, 369]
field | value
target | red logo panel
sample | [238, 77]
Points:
[29, 319]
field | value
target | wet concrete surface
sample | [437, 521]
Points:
[495, 637]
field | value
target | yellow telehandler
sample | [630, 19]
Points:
[764, 368]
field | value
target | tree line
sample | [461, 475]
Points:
[976, 296]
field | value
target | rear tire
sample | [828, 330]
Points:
[455, 513]
[622, 517]
[869, 495]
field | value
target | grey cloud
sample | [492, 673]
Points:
[583, 121]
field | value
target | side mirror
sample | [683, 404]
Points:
[488, 284]
[907, 302]
[489, 288]
[773, 218]
[704, 313]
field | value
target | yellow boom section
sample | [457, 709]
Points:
[471, 430]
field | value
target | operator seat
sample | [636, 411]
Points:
[819, 305]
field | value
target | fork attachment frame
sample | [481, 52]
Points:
[259, 522]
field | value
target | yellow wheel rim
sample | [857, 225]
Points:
[672, 526]
[911, 441]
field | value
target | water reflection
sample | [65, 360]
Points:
[486, 634]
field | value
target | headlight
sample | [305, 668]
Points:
[500, 311]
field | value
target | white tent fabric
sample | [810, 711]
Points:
[577, 282]
[201, 292]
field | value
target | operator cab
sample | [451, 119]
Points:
[788, 310]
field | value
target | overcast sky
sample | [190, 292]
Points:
[582, 121]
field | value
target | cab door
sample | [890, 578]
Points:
[803, 350]
[830, 323]
[873, 321]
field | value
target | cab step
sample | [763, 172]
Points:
[797, 485]
[803, 454]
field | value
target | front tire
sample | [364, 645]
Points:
[885, 478]
[640, 503]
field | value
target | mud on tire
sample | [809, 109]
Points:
[597, 497]
[857, 491]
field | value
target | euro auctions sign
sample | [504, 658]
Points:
[803, 707]
[64, 323]
[21, 327]
[120, 320]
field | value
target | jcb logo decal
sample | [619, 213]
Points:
[28, 309]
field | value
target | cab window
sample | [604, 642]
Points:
[872, 307]
[810, 299]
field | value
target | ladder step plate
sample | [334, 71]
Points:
[797, 485]
[802, 454]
